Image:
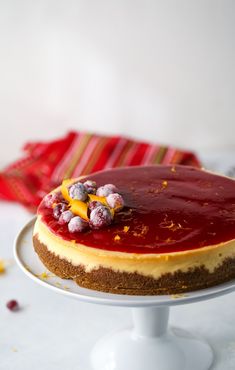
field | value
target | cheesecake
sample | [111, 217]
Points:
[142, 230]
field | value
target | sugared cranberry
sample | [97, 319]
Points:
[50, 199]
[115, 201]
[105, 190]
[78, 191]
[100, 217]
[58, 209]
[95, 203]
[77, 224]
[90, 186]
[65, 217]
[13, 305]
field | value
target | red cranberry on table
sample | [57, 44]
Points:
[100, 217]
[13, 305]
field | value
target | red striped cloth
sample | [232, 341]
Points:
[45, 164]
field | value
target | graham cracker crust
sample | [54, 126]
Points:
[108, 280]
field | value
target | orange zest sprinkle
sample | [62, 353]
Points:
[117, 238]
[44, 275]
[169, 224]
[169, 240]
[2, 267]
[126, 228]
[144, 230]
[180, 295]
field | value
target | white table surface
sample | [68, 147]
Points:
[53, 332]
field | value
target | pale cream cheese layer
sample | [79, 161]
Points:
[153, 265]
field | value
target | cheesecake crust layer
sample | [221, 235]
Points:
[108, 280]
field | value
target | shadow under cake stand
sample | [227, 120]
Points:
[150, 344]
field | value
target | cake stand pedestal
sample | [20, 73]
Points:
[150, 344]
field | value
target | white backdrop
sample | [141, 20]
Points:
[158, 70]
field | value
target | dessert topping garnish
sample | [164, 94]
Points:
[93, 204]
[100, 216]
[59, 209]
[51, 199]
[78, 192]
[126, 228]
[82, 205]
[65, 217]
[105, 190]
[77, 224]
[90, 186]
[115, 201]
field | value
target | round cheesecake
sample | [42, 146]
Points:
[175, 233]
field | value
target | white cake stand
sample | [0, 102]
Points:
[150, 344]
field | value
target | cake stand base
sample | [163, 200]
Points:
[151, 345]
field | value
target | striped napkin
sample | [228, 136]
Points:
[45, 164]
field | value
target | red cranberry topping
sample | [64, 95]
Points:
[77, 224]
[90, 186]
[65, 217]
[78, 191]
[58, 209]
[104, 191]
[100, 217]
[95, 203]
[50, 199]
[115, 201]
[13, 305]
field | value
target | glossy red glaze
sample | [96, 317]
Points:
[168, 209]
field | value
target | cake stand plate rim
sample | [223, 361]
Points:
[26, 263]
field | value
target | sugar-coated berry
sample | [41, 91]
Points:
[13, 305]
[95, 203]
[58, 209]
[100, 217]
[115, 201]
[65, 217]
[50, 199]
[77, 224]
[78, 191]
[105, 190]
[90, 186]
